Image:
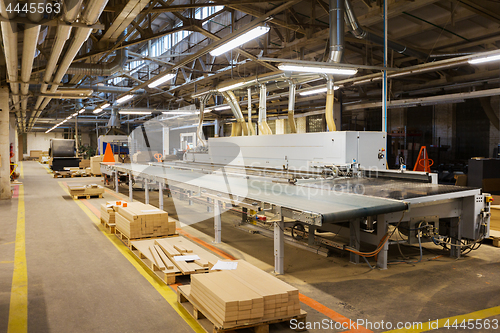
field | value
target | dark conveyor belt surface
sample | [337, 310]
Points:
[333, 206]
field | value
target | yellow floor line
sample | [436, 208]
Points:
[168, 294]
[7, 262]
[474, 318]
[18, 310]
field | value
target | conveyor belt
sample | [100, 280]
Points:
[333, 206]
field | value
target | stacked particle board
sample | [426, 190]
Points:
[244, 295]
[84, 164]
[108, 211]
[85, 190]
[95, 165]
[138, 220]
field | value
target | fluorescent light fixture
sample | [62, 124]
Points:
[69, 117]
[82, 110]
[105, 106]
[231, 87]
[98, 110]
[317, 69]
[161, 80]
[252, 34]
[62, 122]
[135, 112]
[179, 112]
[481, 60]
[74, 114]
[124, 99]
[316, 91]
[220, 108]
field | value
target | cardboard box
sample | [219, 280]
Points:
[144, 157]
[95, 165]
[35, 154]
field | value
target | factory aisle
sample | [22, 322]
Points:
[77, 280]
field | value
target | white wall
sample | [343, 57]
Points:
[41, 140]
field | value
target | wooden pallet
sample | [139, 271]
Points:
[169, 276]
[87, 196]
[58, 174]
[127, 241]
[210, 325]
[73, 175]
[110, 227]
[96, 175]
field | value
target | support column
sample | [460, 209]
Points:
[244, 215]
[354, 241]
[146, 191]
[5, 192]
[381, 231]
[217, 221]
[130, 188]
[160, 194]
[279, 246]
[190, 201]
[116, 181]
[209, 207]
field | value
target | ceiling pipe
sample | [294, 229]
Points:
[111, 89]
[264, 128]
[251, 130]
[90, 15]
[31, 34]
[199, 131]
[107, 69]
[71, 9]
[9, 36]
[235, 108]
[336, 50]
[360, 33]
[291, 107]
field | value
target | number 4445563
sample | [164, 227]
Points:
[472, 324]
[34, 8]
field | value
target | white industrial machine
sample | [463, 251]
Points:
[333, 181]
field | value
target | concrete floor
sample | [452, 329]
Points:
[79, 282]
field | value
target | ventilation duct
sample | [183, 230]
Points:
[291, 107]
[251, 130]
[336, 30]
[264, 128]
[100, 69]
[235, 108]
[358, 32]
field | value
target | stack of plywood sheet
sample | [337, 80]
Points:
[244, 295]
[108, 211]
[85, 190]
[95, 165]
[138, 220]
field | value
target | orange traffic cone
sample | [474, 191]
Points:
[108, 155]
[423, 161]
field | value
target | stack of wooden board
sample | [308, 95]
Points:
[138, 220]
[108, 214]
[144, 157]
[88, 191]
[159, 255]
[244, 295]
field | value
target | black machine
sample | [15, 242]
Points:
[63, 154]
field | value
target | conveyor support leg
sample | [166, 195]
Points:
[130, 188]
[456, 237]
[116, 181]
[354, 241]
[217, 221]
[146, 191]
[310, 235]
[279, 246]
[160, 194]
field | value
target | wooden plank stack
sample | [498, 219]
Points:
[95, 165]
[85, 190]
[159, 255]
[137, 220]
[245, 295]
[108, 211]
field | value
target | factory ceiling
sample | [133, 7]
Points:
[91, 53]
